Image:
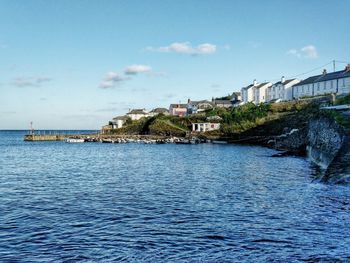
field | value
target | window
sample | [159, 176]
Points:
[318, 86]
[343, 82]
[324, 85]
[331, 84]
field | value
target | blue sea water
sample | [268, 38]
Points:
[95, 202]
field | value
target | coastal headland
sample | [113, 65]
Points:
[300, 127]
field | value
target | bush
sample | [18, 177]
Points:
[343, 100]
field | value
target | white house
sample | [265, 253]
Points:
[137, 114]
[194, 107]
[282, 90]
[205, 126]
[260, 92]
[157, 111]
[118, 122]
[336, 82]
[247, 93]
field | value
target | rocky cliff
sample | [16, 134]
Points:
[325, 142]
[325, 138]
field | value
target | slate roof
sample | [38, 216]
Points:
[178, 105]
[324, 77]
[285, 82]
[123, 118]
[261, 85]
[222, 101]
[137, 111]
[160, 110]
[248, 87]
[195, 103]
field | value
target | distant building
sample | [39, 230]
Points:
[194, 107]
[205, 126]
[247, 93]
[119, 121]
[157, 111]
[106, 129]
[282, 90]
[260, 92]
[137, 114]
[336, 82]
[178, 109]
[222, 103]
[236, 99]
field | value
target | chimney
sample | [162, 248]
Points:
[254, 82]
[283, 79]
[347, 68]
[188, 101]
[324, 72]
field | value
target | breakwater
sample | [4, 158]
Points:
[55, 137]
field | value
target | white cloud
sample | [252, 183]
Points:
[186, 48]
[309, 51]
[30, 81]
[111, 80]
[135, 69]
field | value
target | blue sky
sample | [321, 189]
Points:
[76, 64]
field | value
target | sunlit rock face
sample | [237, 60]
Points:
[329, 147]
[325, 140]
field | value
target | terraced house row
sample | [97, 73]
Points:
[289, 89]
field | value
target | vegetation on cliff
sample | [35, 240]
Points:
[247, 120]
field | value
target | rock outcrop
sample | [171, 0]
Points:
[293, 141]
[325, 138]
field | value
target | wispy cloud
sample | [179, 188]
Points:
[309, 51]
[186, 48]
[111, 80]
[135, 69]
[22, 82]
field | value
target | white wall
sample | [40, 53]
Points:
[344, 85]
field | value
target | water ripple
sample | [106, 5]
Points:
[165, 203]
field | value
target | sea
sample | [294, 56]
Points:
[97, 202]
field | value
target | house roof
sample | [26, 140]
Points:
[248, 87]
[178, 105]
[222, 101]
[160, 110]
[137, 111]
[123, 118]
[324, 77]
[195, 103]
[261, 85]
[286, 82]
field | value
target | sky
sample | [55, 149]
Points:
[77, 64]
